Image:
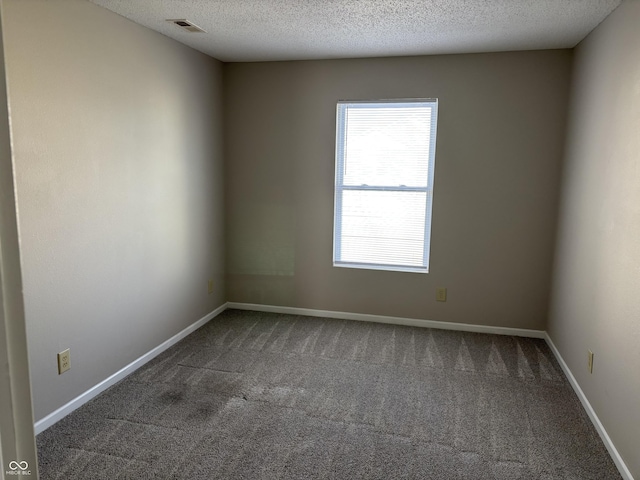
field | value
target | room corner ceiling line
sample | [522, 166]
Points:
[277, 30]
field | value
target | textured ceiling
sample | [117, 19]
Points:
[261, 30]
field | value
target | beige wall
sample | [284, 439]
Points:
[595, 303]
[117, 135]
[499, 147]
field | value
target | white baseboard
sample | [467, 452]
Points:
[613, 451]
[80, 400]
[411, 322]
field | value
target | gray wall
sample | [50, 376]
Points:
[117, 136]
[500, 139]
[597, 275]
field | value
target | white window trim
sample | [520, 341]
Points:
[339, 187]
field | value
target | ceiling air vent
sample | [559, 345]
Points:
[186, 24]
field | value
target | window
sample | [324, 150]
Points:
[385, 152]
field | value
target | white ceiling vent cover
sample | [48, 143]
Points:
[186, 25]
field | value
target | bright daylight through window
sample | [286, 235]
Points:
[385, 152]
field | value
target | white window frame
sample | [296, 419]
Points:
[340, 187]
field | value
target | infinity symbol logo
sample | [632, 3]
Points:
[13, 465]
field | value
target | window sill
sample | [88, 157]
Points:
[389, 268]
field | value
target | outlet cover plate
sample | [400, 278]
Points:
[64, 361]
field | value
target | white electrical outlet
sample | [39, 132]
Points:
[64, 361]
[210, 286]
[590, 364]
[441, 294]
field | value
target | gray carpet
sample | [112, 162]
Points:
[268, 396]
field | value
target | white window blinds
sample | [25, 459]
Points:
[385, 152]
